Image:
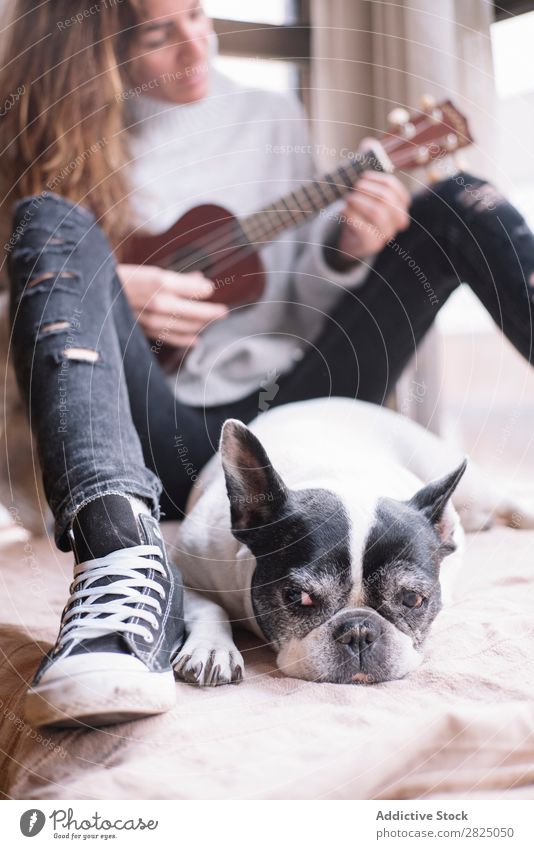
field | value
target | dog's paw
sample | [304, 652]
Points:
[511, 511]
[208, 667]
[516, 512]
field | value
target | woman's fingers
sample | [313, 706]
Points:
[168, 326]
[156, 323]
[168, 331]
[375, 212]
[193, 285]
[176, 340]
[182, 308]
[369, 144]
[142, 282]
[390, 182]
[170, 306]
[385, 196]
[365, 210]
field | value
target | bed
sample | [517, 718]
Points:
[462, 726]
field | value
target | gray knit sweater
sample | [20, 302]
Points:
[240, 148]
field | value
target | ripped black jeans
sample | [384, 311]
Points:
[101, 410]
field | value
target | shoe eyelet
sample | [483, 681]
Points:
[149, 638]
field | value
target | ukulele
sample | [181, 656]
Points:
[226, 249]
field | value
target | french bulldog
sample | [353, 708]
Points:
[332, 529]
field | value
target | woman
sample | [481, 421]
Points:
[121, 122]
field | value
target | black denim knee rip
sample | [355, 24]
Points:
[63, 287]
[41, 266]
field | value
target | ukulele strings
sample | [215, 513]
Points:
[223, 238]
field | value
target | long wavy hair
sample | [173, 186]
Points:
[62, 121]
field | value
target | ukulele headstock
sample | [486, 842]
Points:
[424, 135]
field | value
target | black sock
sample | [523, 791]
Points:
[104, 525]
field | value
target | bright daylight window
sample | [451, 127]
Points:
[513, 56]
[265, 43]
[513, 63]
[259, 73]
[271, 12]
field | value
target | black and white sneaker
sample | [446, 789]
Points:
[120, 628]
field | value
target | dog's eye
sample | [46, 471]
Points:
[296, 596]
[412, 599]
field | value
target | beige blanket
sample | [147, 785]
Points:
[461, 726]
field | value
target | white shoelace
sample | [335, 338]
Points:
[84, 621]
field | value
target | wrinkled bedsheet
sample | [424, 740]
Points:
[462, 726]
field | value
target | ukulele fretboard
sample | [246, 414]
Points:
[306, 201]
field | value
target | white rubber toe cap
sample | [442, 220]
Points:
[98, 688]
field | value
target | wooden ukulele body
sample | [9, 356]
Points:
[232, 264]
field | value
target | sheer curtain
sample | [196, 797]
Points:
[370, 56]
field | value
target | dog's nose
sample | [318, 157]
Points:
[357, 633]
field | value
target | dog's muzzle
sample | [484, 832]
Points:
[357, 637]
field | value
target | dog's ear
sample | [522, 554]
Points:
[255, 490]
[432, 500]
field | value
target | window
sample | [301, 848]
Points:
[513, 58]
[489, 410]
[512, 39]
[271, 12]
[512, 36]
[261, 73]
[266, 43]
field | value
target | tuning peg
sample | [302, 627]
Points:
[422, 155]
[398, 117]
[451, 142]
[427, 103]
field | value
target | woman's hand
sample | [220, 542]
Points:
[375, 211]
[169, 306]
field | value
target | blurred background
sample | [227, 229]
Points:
[351, 62]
